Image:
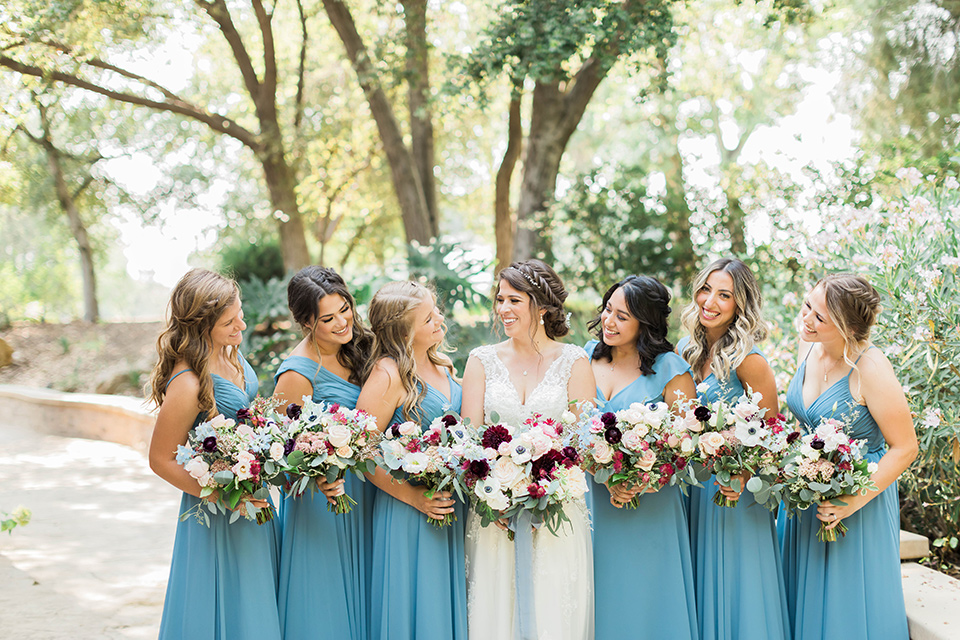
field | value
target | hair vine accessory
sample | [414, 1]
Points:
[535, 284]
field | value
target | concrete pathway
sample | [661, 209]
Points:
[93, 562]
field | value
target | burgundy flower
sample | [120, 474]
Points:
[543, 466]
[570, 453]
[494, 436]
[845, 466]
[702, 413]
[243, 414]
[792, 437]
[479, 468]
[536, 490]
[817, 444]
[334, 407]
[432, 437]
[395, 429]
[293, 411]
[681, 463]
[448, 420]
[608, 419]
[288, 446]
[255, 468]
[612, 435]
[209, 444]
[413, 446]
[617, 462]
[667, 470]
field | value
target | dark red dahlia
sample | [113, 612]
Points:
[667, 470]
[536, 491]
[543, 466]
[494, 436]
[613, 435]
[288, 446]
[817, 444]
[608, 419]
[209, 444]
[395, 429]
[479, 468]
[792, 437]
[448, 420]
[243, 414]
[293, 411]
[702, 413]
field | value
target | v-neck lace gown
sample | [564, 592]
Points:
[739, 579]
[562, 568]
[322, 548]
[642, 568]
[850, 588]
[223, 578]
[418, 587]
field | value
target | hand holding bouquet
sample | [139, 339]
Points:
[737, 440]
[532, 469]
[433, 458]
[324, 440]
[641, 446]
[823, 466]
[231, 460]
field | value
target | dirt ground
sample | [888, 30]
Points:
[82, 357]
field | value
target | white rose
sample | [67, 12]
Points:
[409, 428]
[602, 452]
[276, 451]
[646, 461]
[632, 440]
[345, 451]
[197, 468]
[339, 435]
[574, 481]
[710, 442]
[686, 445]
[506, 472]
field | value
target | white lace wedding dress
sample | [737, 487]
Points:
[563, 564]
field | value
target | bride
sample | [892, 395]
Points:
[530, 372]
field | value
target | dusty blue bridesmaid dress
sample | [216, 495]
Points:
[419, 586]
[642, 571]
[737, 569]
[223, 579]
[325, 557]
[850, 588]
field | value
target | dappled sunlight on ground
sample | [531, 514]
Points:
[93, 561]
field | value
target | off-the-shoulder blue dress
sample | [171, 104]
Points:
[325, 557]
[739, 578]
[223, 579]
[418, 585]
[850, 588]
[642, 571]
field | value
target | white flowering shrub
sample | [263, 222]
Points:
[908, 245]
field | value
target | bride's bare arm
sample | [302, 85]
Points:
[582, 385]
[474, 386]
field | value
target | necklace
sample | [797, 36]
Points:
[826, 372]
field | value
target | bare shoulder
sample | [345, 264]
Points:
[184, 385]
[754, 365]
[385, 370]
[876, 370]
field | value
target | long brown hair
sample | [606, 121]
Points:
[195, 306]
[391, 320]
[304, 292]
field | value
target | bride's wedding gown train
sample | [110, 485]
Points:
[562, 565]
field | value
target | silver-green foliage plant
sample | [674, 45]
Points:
[908, 245]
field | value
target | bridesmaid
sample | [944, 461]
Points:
[739, 579]
[418, 588]
[850, 588]
[642, 571]
[223, 580]
[320, 547]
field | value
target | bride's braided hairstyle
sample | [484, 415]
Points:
[545, 288]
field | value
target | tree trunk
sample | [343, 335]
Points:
[675, 201]
[281, 185]
[403, 171]
[418, 92]
[91, 310]
[505, 224]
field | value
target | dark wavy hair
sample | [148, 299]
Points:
[649, 302]
[539, 281]
[304, 292]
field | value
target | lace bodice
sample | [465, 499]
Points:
[549, 397]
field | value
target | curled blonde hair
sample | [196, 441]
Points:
[743, 333]
[196, 304]
[854, 306]
[391, 320]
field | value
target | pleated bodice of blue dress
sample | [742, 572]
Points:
[223, 578]
[736, 566]
[642, 570]
[418, 585]
[325, 557]
[850, 588]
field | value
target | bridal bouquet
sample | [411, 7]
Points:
[232, 459]
[531, 469]
[643, 445]
[824, 465]
[738, 439]
[326, 441]
[433, 458]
